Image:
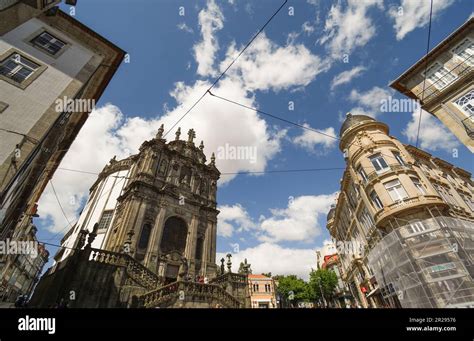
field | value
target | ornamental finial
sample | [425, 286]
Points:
[178, 134]
[191, 135]
[159, 135]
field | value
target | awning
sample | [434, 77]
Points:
[373, 292]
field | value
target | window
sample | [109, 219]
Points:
[440, 76]
[255, 287]
[367, 222]
[417, 227]
[105, 220]
[469, 202]
[396, 190]
[49, 43]
[376, 200]
[446, 194]
[17, 67]
[418, 185]
[362, 173]
[465, 51]
[399, 158]
[144, 236]
[378, 162]
[466, 103]
[268, 288]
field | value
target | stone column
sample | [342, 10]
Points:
[154, 243]
[130, 221]
[190, 250]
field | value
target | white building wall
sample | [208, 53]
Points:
[26, 106]
[104, 197]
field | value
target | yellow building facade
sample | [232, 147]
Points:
[386, 186]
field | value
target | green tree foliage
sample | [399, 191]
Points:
[322, 282]
[292, 288]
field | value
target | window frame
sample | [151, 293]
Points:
[376, 199]
[396, 187]
[104, 229]
[433, 72]
[44, 48]
[362, 174]
[399, 158]
[28, 80]
[458, 56]
[419, 186]
[462, 107]
[377, 160]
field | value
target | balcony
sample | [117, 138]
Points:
[392, 169]
[408, 203]
[468, 124]
[460, 71]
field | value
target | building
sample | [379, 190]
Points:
[52, 71]
[21, 270]
[341, 298]
[262, 291]
[151, 225]
[395, 193]
[448, 92]
[328, 249]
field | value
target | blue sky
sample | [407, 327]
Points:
[327, 58]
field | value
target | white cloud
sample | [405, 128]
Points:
[266, 65]
[297, 222]
[185, 28]
[232, 218]
[211, 20]
[347, 76]
[94, 146]
[217, 123]
[348, 28]
[433, 135]
[415, 14]
[310, 139]
[369, 102]
[278, 260]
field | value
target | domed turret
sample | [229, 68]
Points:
[353, 120]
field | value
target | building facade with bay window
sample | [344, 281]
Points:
[442, 81]
[418, 207]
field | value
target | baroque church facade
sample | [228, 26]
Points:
[146, 233]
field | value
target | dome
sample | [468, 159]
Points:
[352, 120]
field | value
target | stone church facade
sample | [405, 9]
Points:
[147, 232]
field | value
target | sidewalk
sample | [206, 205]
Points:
[4, 305]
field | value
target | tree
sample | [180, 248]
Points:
[292, 289]
[269, 274]
[323, 283]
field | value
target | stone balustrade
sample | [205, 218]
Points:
[189, 291]
[136, 271]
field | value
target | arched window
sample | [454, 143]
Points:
[174, 237]
[144, 236]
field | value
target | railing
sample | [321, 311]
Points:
[463, 69]
[396, 205]
[230, 277]
[182, 290]
[134, 269]
[394, 168]
[468, 124]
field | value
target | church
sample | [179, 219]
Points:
[146, 236]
